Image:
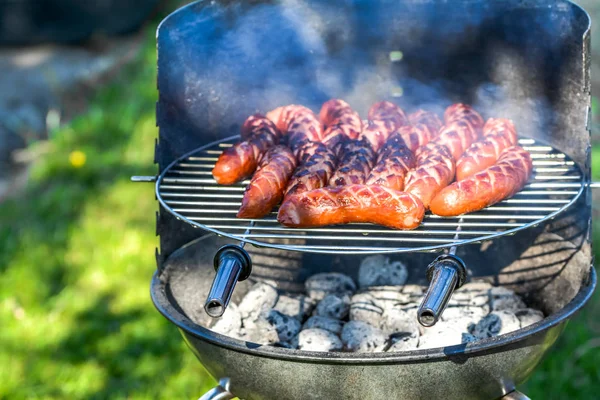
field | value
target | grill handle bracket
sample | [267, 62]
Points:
[446, 274]
[232, 264]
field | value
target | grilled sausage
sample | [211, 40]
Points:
[434, 171]
[389, 112]
[240, 160]
[427, 118]
[298, 124]
[394, 161]
[461, 111]
[266, 186]
[415, 136]
[499, 134]
[377, 132]
[316, 164]
[341, 122]
[354, 203]
[457, 136]
[493, 184]
[356, 161]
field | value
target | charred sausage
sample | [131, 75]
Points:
[465, 112]
[341, 122]
[394, 161]
[354, 203]
[499, 134]
[415, 136]
[316, 164]
[494, 184]
[266, 187]
[298, 124]
[356, 161]
[240, 160]
[457, 136]
[434, 171]
[427, 118]
[388, 112]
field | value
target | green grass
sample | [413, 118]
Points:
[77, 254]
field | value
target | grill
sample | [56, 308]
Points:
[221, 61]
[186, 188]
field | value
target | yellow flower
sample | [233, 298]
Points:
[77, 158]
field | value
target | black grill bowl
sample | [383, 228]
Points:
[485, 369]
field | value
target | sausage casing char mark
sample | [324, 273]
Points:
[356, 161]
[427, 118]
[434, 171]
[352, 203]
[416, 136]
[316, 165]
[266, 187]
[393, 162]
[341, 122]
[499, 134]
[384, 118]
[298, 124]
[460, 111]
[494, 184]
[240, 160]
[388, 111]
[457, 136]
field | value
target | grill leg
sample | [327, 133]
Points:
[221, 392]
[515, 395]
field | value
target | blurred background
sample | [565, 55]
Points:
[77, 238]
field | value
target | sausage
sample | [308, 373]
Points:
[499, 134]
[394, 161]
[493, 184]
[240, 160]
[316, 164]
[377, 132]
[298, 124]
[266, 187]
[415, 136]
[389, 112]
[457, 136]
[353, 203]
[341, 122]
[427, 118]
[434, 171]
[461, 111]
[356, 161]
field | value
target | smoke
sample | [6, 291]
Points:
[221, 62]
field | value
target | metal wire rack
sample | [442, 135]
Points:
[187, 189]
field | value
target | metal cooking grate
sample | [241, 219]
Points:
[186, 189]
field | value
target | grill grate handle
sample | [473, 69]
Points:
[232, 264]
[446, 274]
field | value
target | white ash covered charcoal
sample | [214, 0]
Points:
[260, 331]
[444, 334]
[230, 324]
[287, 327]
[496, 323]
[464, 317]
[363, 308]
[505, 299]
[295, 305]
[259, 300]
[391, 296]
[315, 339]
[379, 270]
[333, 306]
[328, 324]
[472, 294]
[403, 342]
[320, 285]
[529, 316]
[398, 320]
[361, 337]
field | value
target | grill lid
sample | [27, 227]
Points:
[187, 189]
